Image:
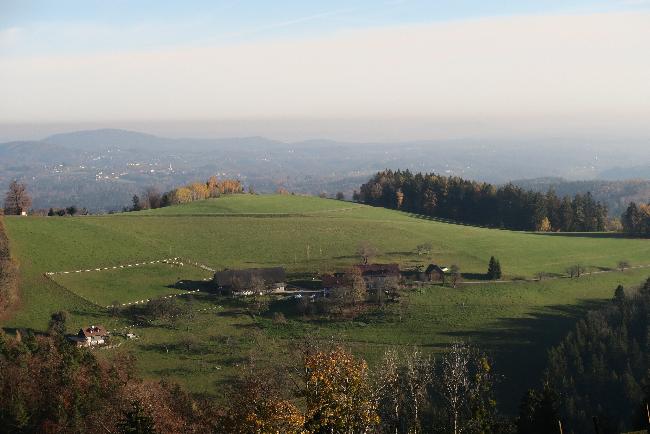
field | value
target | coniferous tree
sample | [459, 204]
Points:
[494, 269]
[136, 421]
[458, 199]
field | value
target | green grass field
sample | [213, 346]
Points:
[130, 284]
[516, 322]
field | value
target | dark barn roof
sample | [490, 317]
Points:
[225, 278]
[333, 280]
[433, 268]
[93, 331]
[378, 269]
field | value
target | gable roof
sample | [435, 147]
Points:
[245, 277]
[93, 331]
[433, 268]
[378, 269]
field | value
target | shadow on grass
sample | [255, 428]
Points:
[475, 276]
[191, 285]
[519, 346]
[584, 234]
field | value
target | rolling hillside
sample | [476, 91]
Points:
[515, 320]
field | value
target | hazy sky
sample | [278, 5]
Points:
[342, 69]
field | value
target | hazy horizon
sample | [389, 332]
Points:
[389, 71]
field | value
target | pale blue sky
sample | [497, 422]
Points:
[29, 27]
[405, 67]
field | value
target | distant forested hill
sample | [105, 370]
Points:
[102, 169]
[480, 203]
[615, 194]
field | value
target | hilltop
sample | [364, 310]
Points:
[515, 320]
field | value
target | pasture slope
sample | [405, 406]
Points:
[516, 321]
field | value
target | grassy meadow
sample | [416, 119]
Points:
[515, 321]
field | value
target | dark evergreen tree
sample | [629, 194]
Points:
[458, 199]
[137, 206]
[539, 412]
[619, 294]
[136, 421]
[494, 269]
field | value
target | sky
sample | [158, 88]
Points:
[357, 70]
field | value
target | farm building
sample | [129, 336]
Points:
[90, 336]
[435, 273]
[373, 274]
[248, 281]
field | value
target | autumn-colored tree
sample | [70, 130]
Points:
[231, 186]
[17, 199]
[358, 286]
[181, 195]
[544, 225]
[258, 405]
[213, 187]
[198, 191]
[338, 393]
[399, 198]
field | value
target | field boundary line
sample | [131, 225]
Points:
[171, 261]
[66, 289]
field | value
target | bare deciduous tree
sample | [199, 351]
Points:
[424, 248]
[17, 199]
[455, 275]
[152, 198]
[366, 251]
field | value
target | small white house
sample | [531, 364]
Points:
[23, 213]
[90, 336]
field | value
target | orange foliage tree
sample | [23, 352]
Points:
[338, 393]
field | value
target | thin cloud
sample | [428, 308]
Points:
[574, 66]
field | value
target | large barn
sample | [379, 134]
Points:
[247, 281]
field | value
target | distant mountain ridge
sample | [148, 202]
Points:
[102, 169]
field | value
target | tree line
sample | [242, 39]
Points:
[48, 385]
[598, 377]
[213, 187]
[636, 219]
[8, 272]
[480, 203]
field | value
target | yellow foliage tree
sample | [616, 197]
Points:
[213, 186]
[544, 225]
[198, 190]
[182, 195]
[338, 394]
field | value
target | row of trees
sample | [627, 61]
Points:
[483, 204]
[600, 373]
[48, 385]
[636, 219]
[213, 187]
[8, 272]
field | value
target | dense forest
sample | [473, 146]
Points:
[636, 219]
[483, 204]
[615, 194]
[600, 373]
